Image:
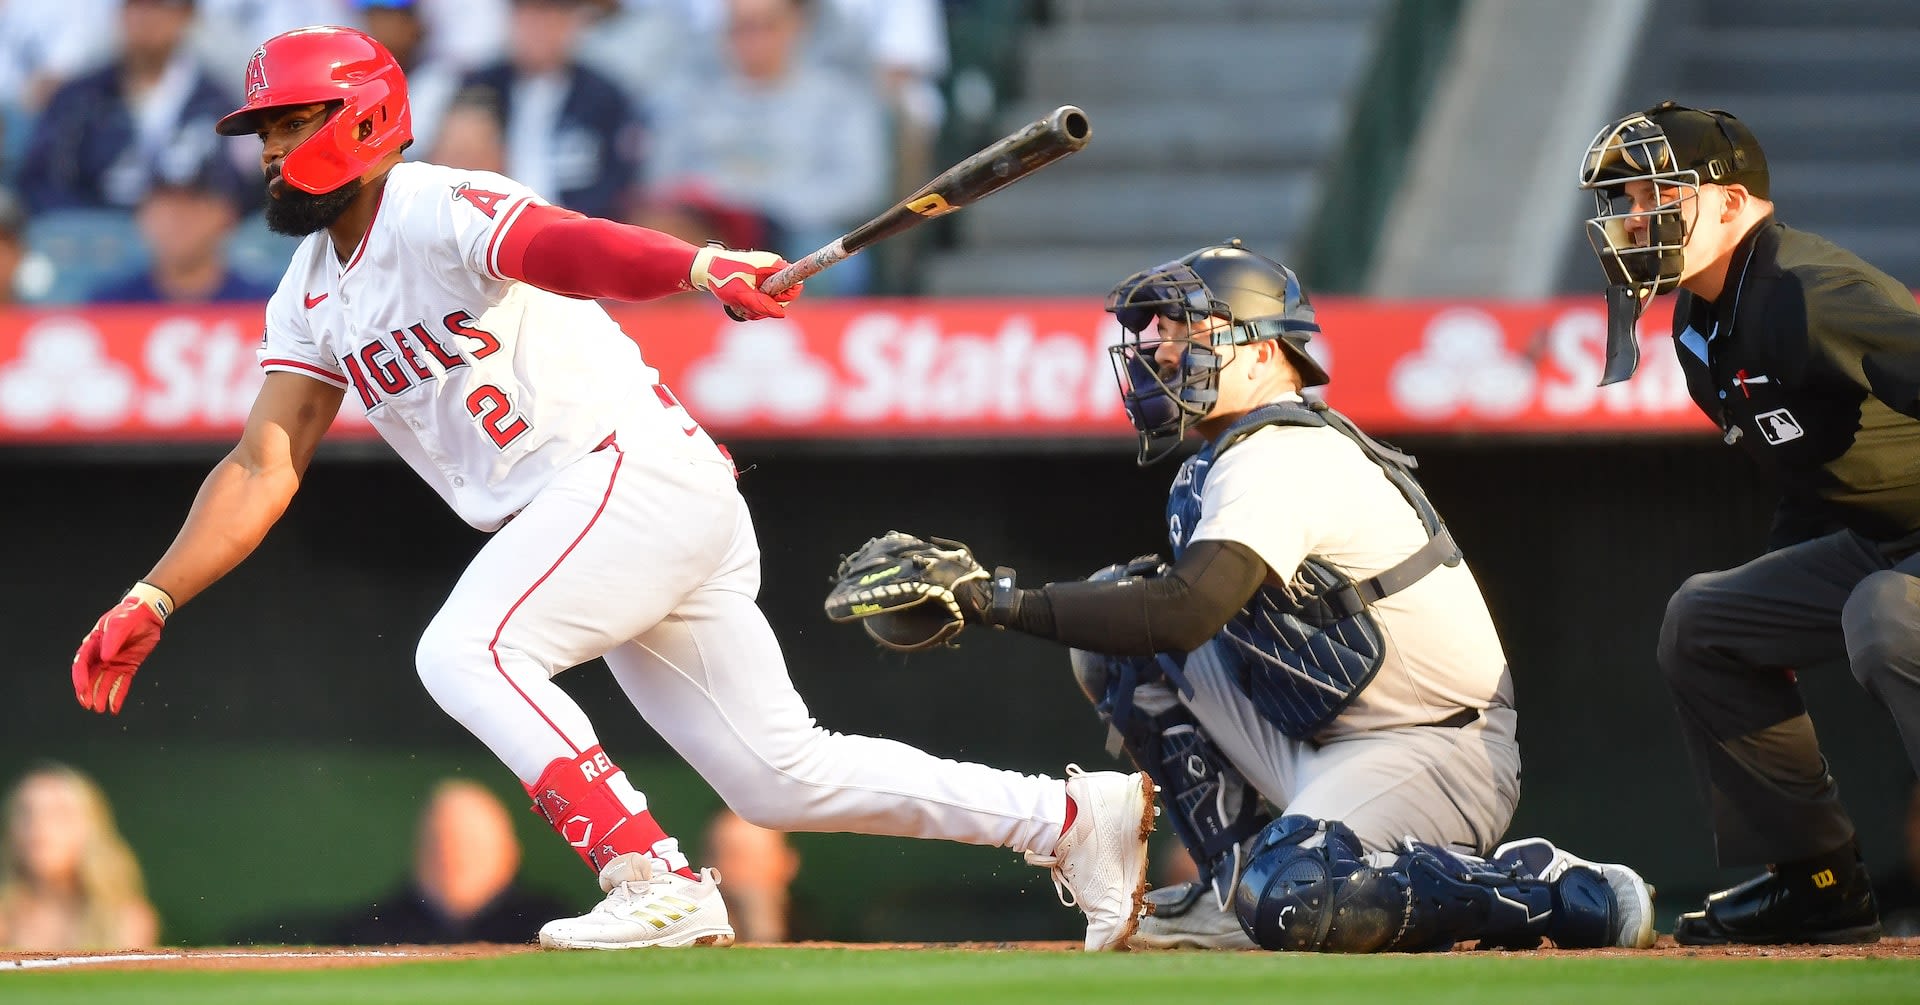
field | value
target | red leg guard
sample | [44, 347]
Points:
[575, 798]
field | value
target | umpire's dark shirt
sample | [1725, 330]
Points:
[1810, 361]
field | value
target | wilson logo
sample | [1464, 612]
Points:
[1824, 879]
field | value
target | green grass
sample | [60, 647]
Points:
[935, 977]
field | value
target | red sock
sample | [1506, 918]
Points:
[1072, 811]
[577, 801]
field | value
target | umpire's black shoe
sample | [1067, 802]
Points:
[1775, 909]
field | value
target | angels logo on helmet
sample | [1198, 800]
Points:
[256, 73]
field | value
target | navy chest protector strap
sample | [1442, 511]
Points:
[1304, 650]
[1397, 465]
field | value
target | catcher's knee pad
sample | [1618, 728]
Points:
[1456, 897]
[1299, 890]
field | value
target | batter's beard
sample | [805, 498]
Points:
[297, 214]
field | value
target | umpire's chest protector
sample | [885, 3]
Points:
[1304, 651]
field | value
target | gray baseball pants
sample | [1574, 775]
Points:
[1730, 646]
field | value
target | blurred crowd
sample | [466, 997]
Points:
[775, 124]
[67, 878]
[70, 881]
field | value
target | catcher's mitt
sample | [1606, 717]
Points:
[901, 590]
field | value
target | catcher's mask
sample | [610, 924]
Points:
[1676, 149]
[1258, 298]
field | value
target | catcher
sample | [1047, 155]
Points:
[1317, 643]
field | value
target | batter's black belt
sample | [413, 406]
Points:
[1464, 717]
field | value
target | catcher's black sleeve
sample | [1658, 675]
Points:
[1174, 613]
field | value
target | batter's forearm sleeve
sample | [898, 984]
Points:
[1174, 613]
[583, 256]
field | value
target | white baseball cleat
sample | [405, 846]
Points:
[1100, 864]
[647, 904]
[1632, 895]
[1188, 916]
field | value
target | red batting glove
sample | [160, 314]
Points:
[734, 278]
[118, 644]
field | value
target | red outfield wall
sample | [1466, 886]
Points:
[905, 368]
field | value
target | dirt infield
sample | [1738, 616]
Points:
[1885, 949]
[263, 958]
[323, 958]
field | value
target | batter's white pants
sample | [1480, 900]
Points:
[651, 561]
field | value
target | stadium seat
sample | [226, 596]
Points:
[259, 253]
[86, 247]
[16, 127]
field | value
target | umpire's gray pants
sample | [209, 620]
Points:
[1444, 785]
[1729, 647]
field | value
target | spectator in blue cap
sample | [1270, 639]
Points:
[186, 218]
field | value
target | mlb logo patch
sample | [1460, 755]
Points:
[1778, 426]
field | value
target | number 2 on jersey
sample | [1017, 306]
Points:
[489, 404]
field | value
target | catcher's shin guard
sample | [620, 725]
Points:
[1308, 887]
[1213, 809]
[1457, 897]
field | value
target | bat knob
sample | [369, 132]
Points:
[734, 313]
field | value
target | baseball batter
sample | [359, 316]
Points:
[1317, 643]
[457, 309]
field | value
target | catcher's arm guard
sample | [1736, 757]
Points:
[901, 590]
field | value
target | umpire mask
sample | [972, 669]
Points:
[1638, 268]
[1675, 149]
[1258, 298]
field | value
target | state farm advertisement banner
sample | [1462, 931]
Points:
[916, 369]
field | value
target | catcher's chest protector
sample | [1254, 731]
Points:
[1304, 651]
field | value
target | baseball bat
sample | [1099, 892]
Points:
[1007, 160]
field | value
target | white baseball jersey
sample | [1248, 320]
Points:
[501, 396]
[1292, 491]
[438, 347]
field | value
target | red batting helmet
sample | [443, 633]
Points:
[309, 66]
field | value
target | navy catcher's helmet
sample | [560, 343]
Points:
[1258, 298]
